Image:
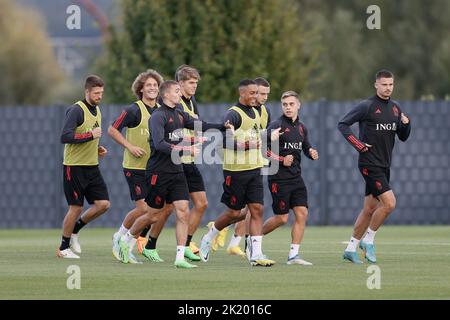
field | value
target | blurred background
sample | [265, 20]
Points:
[323, 49]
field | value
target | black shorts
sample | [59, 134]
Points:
[136, 183]
[287, 194]
[241, 188]
[84, 181]
[165, 188]
[194, 178]
[377, 180]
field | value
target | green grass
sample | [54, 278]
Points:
[414, 264]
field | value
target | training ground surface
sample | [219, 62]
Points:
[414, 264]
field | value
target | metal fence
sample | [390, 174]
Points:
[31, 168]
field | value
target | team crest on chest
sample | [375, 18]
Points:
[395, 111]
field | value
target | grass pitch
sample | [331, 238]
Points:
[414, 263]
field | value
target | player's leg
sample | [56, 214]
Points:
[384, 209]
[370, 176]
[197, 195]
[387, 205]
[298, 230]
[97, 196]
[128, 240]
[74, 183]
[138, 191]
[200, 203]
[181, 208]
[254, 197]
[361, 224]
[239, 233]
[150, 251]
[257, 258]
[140, 209]
[155, 201]
[70, 219]
[233, 197]
[223, 221]
[274, 222]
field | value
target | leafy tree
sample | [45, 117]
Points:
[227, 40]
[30, 73]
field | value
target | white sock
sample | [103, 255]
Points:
[294, 250]
[235, 241]
[122, 230]
[370, 236]
[212, 233]
[74, 235]
[128, 238]
[352, 245]
[132, 245]
[256, 243]
[180, 253]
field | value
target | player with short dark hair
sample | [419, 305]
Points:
[380, 119]
[241, 228]
[242, 165]
[82, 177]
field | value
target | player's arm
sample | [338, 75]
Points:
[74, 118]
[191, 123]
[273, 137]
[308, 150]
[157, 123]
[404, 127]
[355, 115]
[126, 119]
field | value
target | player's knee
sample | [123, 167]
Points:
[369, 210]
[202, 205]
[257, 209]
[102, 205]
[283, 218]
[76, 209]
[304, 214]
[234, 214]
[141, 210]
[390, 205]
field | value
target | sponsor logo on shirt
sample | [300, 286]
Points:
[293, 145]
[386, 126]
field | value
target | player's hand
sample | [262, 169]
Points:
[96, 133]
[195, 116]
[404, 119]
[229, 126]
[366, 148]
[275, 134]
[102, 151]
[287, 161]
[136, 151]
[313, 153]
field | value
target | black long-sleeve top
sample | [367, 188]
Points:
[166, 134]
[292, 141]
[379, 121]
[74, 118]
[131, 117]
